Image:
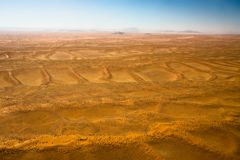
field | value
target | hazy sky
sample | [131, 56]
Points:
[215, 16]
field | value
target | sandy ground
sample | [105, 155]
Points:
[70, 96]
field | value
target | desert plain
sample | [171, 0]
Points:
[104, 96]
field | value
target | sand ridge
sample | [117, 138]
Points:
[134, 96]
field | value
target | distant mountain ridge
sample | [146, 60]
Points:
[122, 31]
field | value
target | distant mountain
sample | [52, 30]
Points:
[189, 31]
[130, 30]
[119, 33]
[177, 32]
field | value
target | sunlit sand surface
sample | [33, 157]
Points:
[103, 96]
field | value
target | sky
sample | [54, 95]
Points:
[207, 16]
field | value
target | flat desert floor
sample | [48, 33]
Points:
[103, 96]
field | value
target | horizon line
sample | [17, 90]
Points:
[124, 30]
